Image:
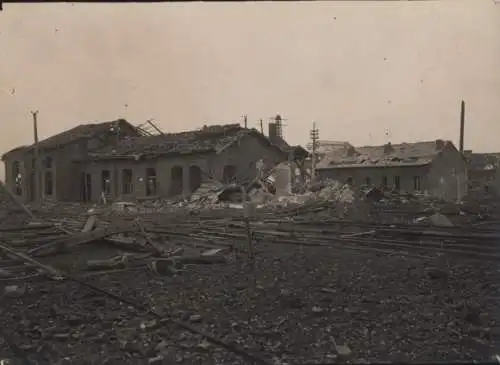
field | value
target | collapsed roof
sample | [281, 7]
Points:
[214, 138]
[404, 154]
[80, 132]
[208, 139]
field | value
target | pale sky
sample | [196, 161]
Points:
[366, 72]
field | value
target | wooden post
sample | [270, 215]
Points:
[314, 140]
[38, 175]
[462, 125]
[261, 127]
[248, 209]
[245, 121]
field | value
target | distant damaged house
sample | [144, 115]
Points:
[435, 166]
[123, 164]
[483, 169]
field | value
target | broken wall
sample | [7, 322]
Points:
[448, 175]
[245, 156]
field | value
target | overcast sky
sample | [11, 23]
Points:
[366, 72]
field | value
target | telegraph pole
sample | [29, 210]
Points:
[462, 125]
[245, 121]
[314, 139]
[38, 176]
[261, 127]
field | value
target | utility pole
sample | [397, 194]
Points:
[38, 176]
[462, 126]
[314, 139]
[261, 127]
[245, 121]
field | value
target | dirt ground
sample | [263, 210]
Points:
[293, 305]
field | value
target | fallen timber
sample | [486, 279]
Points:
[476, 244]
[59, 275]
[230, 233]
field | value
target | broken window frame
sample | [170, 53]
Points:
[106, 182]
[417, 183]
[47, 162]
[127, 182]
[17, 177]
[151, 181]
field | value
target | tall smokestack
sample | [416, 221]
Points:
[462, 124]
[272, 132]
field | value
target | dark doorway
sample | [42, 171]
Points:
[150, 181]
[127, 182]
[32, 187]
[106, 182]
[86, 187]
[48, 183]
[176, 180]
[229, 173]
[194, 178]
[397, 183]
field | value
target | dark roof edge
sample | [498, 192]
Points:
[140, 156]
[357, 166]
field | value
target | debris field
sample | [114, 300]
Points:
[319, 280]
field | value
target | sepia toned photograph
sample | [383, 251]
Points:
[268, 183]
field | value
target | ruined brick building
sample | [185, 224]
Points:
[433, 166]
[117, 160]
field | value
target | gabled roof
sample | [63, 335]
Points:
[403, 154]
[82, 131]
[214, 138]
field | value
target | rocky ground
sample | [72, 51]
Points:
[296, 305]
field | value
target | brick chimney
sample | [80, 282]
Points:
[388, 149]
[272, 132]
[439, 144]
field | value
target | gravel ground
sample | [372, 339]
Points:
[295, 305]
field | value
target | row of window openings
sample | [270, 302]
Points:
[127, 182]
[151, 181]
[48, 182]
[397, 182]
